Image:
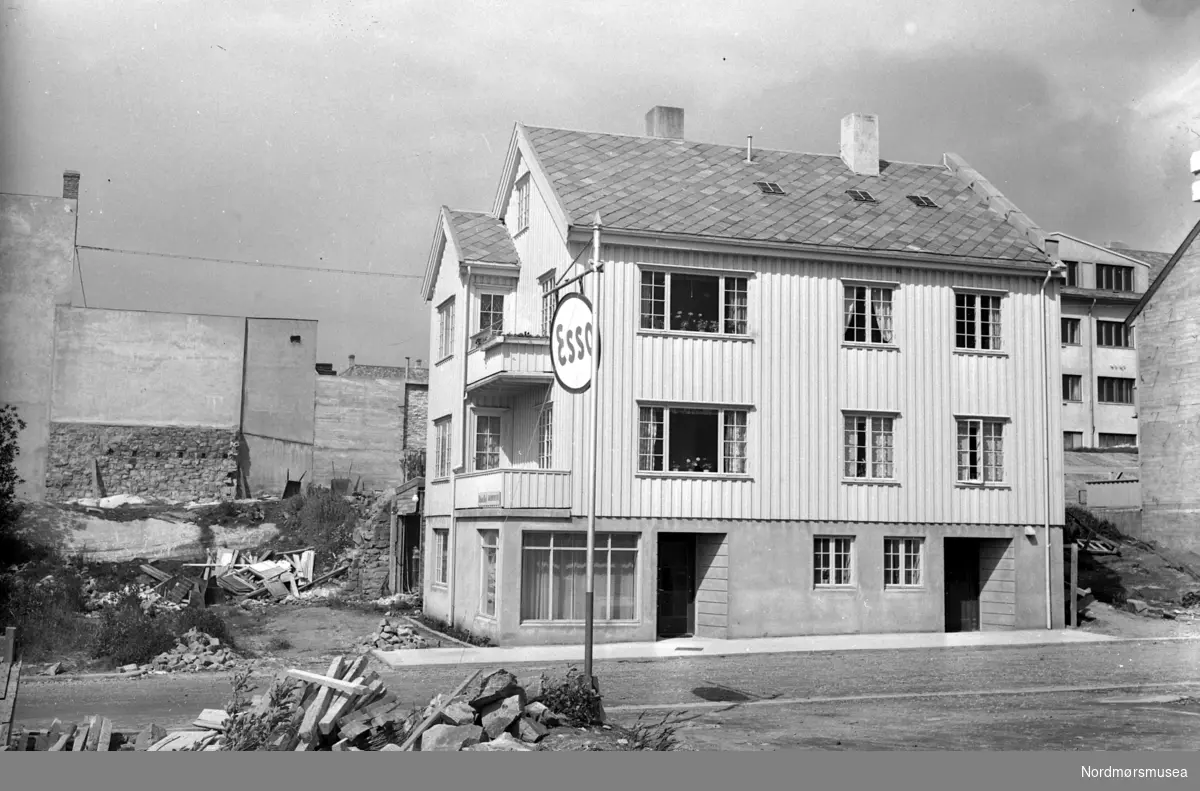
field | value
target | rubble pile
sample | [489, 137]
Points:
[150, 598]
[393, 634]
[239, 574]
[195, 651]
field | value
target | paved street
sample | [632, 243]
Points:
[1046, 695]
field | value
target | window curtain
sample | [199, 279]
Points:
[735, 442]
[881, 315]
[881, 451]
[569, 573]
[535, 585]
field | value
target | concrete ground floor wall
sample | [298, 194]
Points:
[267, 462]
[755, 579]
[175, 462]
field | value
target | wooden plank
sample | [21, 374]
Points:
[157, 574]
[9, 703]
[330, 681]
[432, 719]
[81, 736]
[312, 717]
[340, 705]
[1074, 585]
[64, 739]
[93, 737]
[211, 719]
[9, 654]
[721, 597]
[104, 739]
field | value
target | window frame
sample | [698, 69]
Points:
[983, 421]
[496, 327]
[545, 441]
[1115, 272]
[1072, 274]
[663, 297]
[446, 329]
[902, 556]
[607, 549]
[995, 339]
[1072, 384]
[1073, 446]
[721, 410]
[1113, 329]
[443, 444]
[870, 286]
[871, 416]
[1103, 392]
[523, 188]
[485, 547]
[832, 552]
[441, 557]
[1101, 437]
[1070, 338]
[500, 415]
[549, 300]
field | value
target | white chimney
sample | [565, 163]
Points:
[352, 361]
[860, 143]
[665, 122]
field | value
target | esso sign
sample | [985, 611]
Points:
[573, 340]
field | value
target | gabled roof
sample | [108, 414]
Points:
[653, 185]
[1154, 259]
[474, 237]
[1164, 273]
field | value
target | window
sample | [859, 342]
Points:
[553, 576]
[902, 562]
[1069, 332]
[549, 302]
[833, 561]
[1072, 440]
[861, 196]
[1110, 277]
[1118, 440]
[441, 448]
[1114, 334]
[976, 321]
[980, 451]
[1113, 390]
[769, 187]
[545, 436]
[696, 303]
[441, 555]
[1072, 387]
[868, 312]
[523, 203]
[1072, 272]
[487, 442]
[924, 201]
[692, 440]
[446, 329]
[487, 581]
[491, 315]
[868, 447]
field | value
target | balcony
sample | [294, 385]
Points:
[506, 364]
[514, 488]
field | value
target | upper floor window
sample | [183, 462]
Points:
[1072, 272]
[1069, 332]
[549, 301]
[980, 451]
[491, 315]
[1072, 386]
[1115, 334]
[446, 329]
[869, 447]
[441, 448]
[692, 440]
[977, 321]
[694, 303]
[523, 203]
[1118, 441]
[487, 442]
[1110, 277]
[1114, 390]
[868, 314]
[545, 436]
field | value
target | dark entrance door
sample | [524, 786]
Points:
[962, 584]
[676, 585]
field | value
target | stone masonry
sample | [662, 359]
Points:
[415, 414]
[369, 570]
[174, 463]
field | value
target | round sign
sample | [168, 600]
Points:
[574, 338]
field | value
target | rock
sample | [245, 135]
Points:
[1168, 615]
[1135, 605]
[390, 748]
[214, 641]
[129, 668]
[450, 738]
[149, 736]
[535, 710]
[535, 690]
[189, 658]
[503, 743]
[495, 686]
[459, 712]
[496, 717]
[531, 731]
[53, 670]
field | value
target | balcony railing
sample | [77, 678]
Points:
[514, 488]
[509, 360]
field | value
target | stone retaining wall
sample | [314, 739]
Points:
[171, 462]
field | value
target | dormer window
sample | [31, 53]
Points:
[522, 203]
[861, 196]
[924, 201]
[769, 187]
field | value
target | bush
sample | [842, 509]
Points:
[573, 698]
[1078, 515]
[320, 519]
[207, 621]
[656, 736]
[128, 635]
[45, 612]
[254, 728]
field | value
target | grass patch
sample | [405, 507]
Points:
[279, 643]
[645, 735]
[319, 519]
[437, 624]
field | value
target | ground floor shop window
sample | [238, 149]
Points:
[487, 587]
[554, 579]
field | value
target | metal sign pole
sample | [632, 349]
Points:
[591, 533]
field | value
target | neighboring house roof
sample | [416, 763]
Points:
[660, 185]
[1155, 259]
[481, 237]
[1164, 273]
[374, 371]
[1101, 295]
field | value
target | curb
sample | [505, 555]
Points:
[417, 624]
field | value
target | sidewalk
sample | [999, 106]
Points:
[504, 656]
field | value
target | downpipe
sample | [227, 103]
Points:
[1055, 270]
[451, 587]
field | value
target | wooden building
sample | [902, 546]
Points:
[824, 396]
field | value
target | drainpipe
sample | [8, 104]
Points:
[1092, 383]
[453, 563]
[1056, 269]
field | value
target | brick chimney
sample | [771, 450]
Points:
[860, 143]
[71, 184]
[665, 122]
[352, 361]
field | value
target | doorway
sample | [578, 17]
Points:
[961, 569]
[676, 585]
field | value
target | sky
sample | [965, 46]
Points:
[326, 135]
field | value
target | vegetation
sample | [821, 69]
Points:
[11, 427]
[653, 736]
[439, 625]
[252, 728]
[320, 519]
[573, 698]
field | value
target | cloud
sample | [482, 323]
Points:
[1170, 10]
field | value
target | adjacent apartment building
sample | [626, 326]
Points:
[1099, 355]
[827, 396]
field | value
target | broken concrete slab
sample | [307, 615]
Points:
[495, 686]
[496, 717]
[450, 738]
[503, 743]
